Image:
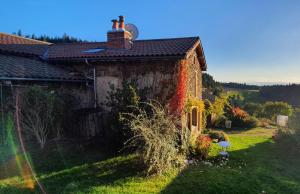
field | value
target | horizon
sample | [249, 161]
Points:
[244, 42]
[263, 83]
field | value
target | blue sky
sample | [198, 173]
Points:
[244, 40]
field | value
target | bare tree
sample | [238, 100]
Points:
[38, 114]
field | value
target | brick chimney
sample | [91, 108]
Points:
[118, 37]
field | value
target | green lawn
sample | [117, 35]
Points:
[256, 165]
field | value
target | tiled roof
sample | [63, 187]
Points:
[140, 48]
[25, 49]
[17, 67]
[14, 39]
[173, 47]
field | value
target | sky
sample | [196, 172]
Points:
[247, 41]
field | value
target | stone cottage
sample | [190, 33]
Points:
[87, 69]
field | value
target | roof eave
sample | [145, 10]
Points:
[177, 57]
[200, 51]
[42, 79]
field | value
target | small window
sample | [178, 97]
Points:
[188, 120]
[194, 117]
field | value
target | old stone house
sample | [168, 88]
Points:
[87, 69]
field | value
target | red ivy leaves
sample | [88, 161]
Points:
[177, 102]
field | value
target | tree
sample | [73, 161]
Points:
[282, 93]
[210, 84]
[65, 38]
[39, 114]
[19, 33]
[294, 121]
[272, 109]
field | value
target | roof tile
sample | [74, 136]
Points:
[140, 48]
[14, 39]
[20, 67]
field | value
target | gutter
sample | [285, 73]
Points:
[126, 58]
[46, 80]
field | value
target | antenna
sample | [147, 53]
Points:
[133, 30]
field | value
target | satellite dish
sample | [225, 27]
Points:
[133, 30]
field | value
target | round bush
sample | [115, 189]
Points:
[218, 135]
[201, 146]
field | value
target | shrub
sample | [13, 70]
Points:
[201, 146]
[215, 111]
[241, 118]
[237, 116]
[155, 136]
[254, 109]
[294, 121]
[251, 122]
[272, 109]
[122, 100]
[220, 122]
[218, 135]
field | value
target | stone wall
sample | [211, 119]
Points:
[157, 76]
[194, 91]
[194, 77]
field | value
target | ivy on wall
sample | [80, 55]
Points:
[194, 102]
[200, 106]
[177, 102]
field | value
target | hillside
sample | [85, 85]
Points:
[283, 93]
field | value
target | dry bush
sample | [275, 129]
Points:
[156, 136]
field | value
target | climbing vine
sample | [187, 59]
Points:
[200, 105]
[194, 102]
[177, 102]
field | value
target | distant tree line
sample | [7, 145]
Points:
[285, 93]
[65, 38]
[276, 93]
[243, 86]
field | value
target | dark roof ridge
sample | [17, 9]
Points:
[74, 43]
[142, 40]
[166, 39]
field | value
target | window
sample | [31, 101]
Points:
[194, 117]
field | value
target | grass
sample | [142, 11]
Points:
[257, 164]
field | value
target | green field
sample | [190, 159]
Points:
[256, 165]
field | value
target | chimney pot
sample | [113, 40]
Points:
[115, 25]
[118, 37]
[122, 22]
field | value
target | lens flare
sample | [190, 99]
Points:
[31, 178]
[19, 158]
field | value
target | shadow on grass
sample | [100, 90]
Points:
[65, 170]
[258, 169]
